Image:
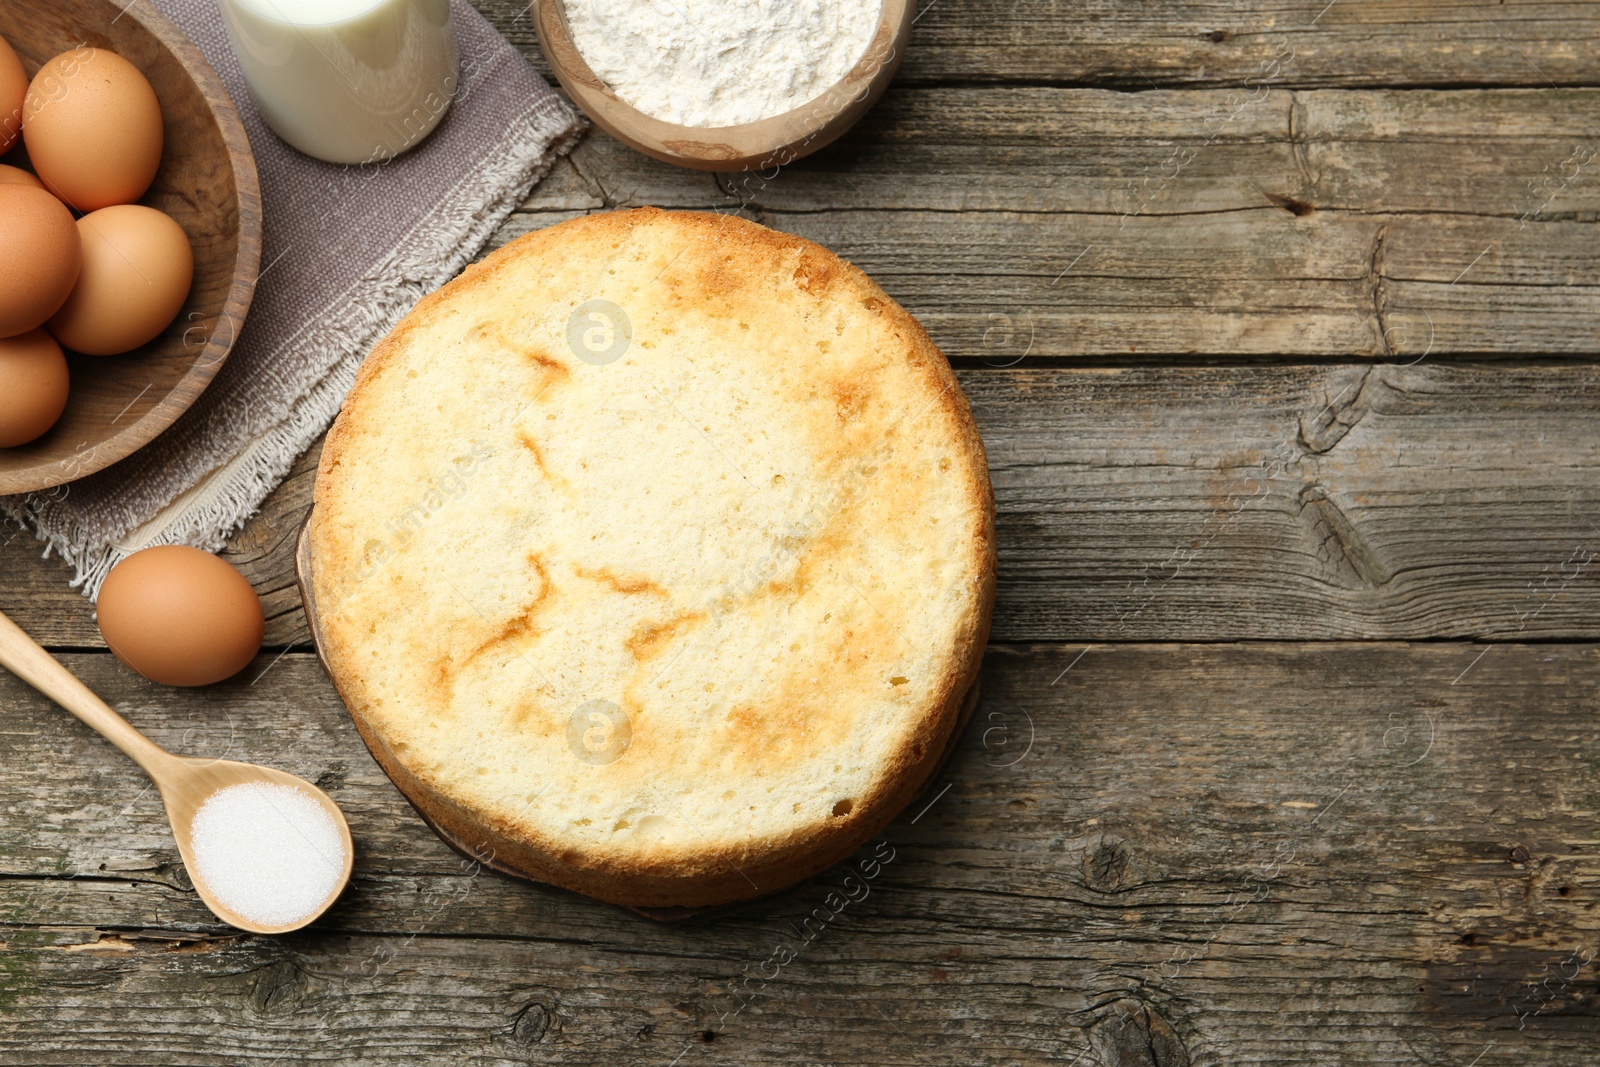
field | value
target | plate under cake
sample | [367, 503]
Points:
[654, 557]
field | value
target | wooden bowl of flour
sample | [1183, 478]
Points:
[771, 142]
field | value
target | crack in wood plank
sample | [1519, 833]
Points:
[1378, 288]
[1343, 551]
[1299, 143]
[1338, 417]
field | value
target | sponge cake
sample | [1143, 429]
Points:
[654, 556]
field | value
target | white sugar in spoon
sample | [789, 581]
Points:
[185, 782]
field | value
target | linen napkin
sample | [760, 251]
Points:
[346, 252]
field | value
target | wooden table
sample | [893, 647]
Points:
[1279, 323]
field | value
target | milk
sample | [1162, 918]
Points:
[347, 81]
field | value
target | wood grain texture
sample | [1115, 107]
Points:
[1164, 43]
[1091, 224]
[1204, 503]
[1087, 151]
[1243, 854]
[1219, 42]
[207, 183]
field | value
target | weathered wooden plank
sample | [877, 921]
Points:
[1288, 853]
[1248, 282]
[1099, 224]
[1089, 151]
[37, 594]
[1213, 503]
[1220, 42]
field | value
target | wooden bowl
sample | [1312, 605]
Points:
[207, 182]
[759, 145]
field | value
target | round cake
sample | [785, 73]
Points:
[654, 558]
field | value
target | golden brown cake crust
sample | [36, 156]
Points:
[726, 315]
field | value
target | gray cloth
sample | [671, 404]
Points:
[346, 252]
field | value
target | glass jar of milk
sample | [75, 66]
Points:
[347, 81]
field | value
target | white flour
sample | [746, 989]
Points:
[727, 62]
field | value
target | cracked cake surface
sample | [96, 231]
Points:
[654, 556]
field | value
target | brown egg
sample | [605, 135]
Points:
[137, 266]
[13, 89]
[93, 128]
[40, 253]
[180, 616]
[18, 176]
[33, 387]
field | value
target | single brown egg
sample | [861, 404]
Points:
[93, 128]
[18, 176]
[137, 266]
[40, 253]
[180, 616]
[13, 90]
[33, 386]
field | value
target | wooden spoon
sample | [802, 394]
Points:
[184, 781]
